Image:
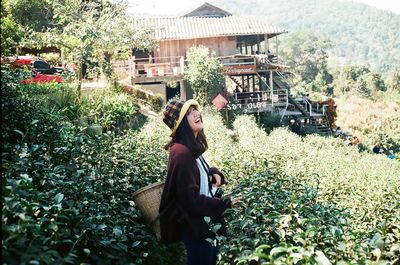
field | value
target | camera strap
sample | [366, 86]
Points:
[207, 169]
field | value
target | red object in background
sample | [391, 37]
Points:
[219, 102]
[42, 78]
[33, 62]
[18, 61]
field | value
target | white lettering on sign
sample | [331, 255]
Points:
[248, 106]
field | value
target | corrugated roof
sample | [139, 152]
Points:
[174, 28]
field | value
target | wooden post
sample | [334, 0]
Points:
[182, 89]
[266, 43]
[276, 44]
[271, 84]
[182, 65]
[131, 68]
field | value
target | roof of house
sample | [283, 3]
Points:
[207, 10]
[204, 22]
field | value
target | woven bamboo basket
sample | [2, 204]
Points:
[147, 199]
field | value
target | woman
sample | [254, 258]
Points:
[188, 196]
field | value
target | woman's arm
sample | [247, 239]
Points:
[183, 168]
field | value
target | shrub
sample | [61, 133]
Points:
[108, 109]
[157, 103]
[67, 195]
[204, 74]
[270, 120]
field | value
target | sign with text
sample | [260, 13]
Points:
[239, 69]
[219, 102]
[250, 107]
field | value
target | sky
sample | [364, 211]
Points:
[175, 7]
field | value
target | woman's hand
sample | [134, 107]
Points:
[234, 202]
[217, 180]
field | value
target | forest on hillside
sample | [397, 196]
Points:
[360, 34]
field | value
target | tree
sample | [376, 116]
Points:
[204, 74]
[11, 35]
[306, 54]
[93, 31]
[392, 81]
[19, 19]
[32, 14]
[360, 80]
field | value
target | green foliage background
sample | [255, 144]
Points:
[361, 34]
[67, 194]
[204, 74]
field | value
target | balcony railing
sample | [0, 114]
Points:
[157, 66]
[249, 64]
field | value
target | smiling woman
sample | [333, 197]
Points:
[188, 199]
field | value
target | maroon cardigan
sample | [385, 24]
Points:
[188, 207]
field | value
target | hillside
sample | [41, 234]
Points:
[361, 34]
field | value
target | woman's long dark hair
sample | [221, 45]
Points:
[184, 135]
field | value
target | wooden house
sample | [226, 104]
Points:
[254, 75]
[222, 32]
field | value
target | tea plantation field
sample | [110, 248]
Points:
[67, 189]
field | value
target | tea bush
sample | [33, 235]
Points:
[110, 108]
[67, 194]
[365, 184]
[157, 102]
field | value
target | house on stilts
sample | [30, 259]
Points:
[256, 79]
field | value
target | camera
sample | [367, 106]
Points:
[218, 193]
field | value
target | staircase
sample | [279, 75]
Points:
[279, 97]
[299, 106]
[321, 125]
[236, 82]
[317, 120]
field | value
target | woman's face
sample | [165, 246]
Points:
[194, 119]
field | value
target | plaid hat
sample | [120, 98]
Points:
[175, 111]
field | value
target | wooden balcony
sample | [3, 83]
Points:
[239, 64]
[157, 69]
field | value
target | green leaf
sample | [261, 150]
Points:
[59, 197]
[321, 258]
[21, 216]
[216, 228]
[19, 132]
[277, 250]
[135, 244]
[376, 241]
[117, 231]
